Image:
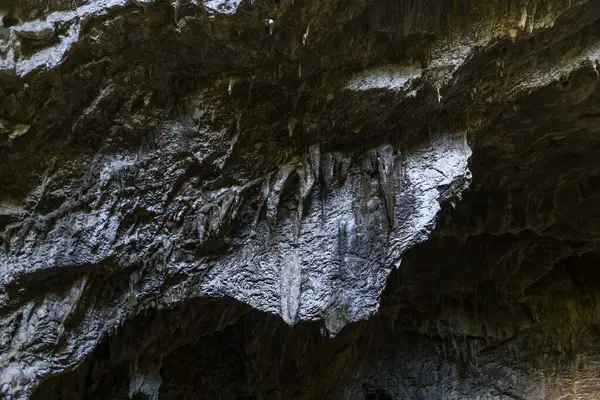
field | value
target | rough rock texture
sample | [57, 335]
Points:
[207, 199]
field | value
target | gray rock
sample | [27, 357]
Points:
[156, 155]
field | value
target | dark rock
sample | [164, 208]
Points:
[208, 199]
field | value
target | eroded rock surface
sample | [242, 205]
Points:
[173, 170]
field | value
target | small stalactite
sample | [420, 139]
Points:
[368, 162]
[276, 190]
[291, 271]
[341, 166]
[326, 170]
[308, 174]
[315, 158]
[201, 227]
[213, 216]
[385, 160]
[265, 189]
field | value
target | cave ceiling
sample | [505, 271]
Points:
[248, 199]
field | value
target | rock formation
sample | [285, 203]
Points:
[292, 199]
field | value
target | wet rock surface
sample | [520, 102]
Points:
[299, 199]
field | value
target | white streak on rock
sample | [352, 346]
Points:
[222, 6]
[393, 77]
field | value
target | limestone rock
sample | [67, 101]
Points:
[359, 199]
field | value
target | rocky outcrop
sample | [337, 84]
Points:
[184, 180]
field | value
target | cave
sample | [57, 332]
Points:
[300, 199]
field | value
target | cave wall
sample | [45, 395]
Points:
[343, 199]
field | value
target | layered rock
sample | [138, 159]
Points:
[296, 157]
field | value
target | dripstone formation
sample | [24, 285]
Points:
[318, 199]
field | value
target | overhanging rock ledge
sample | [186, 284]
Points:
[408, 185]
